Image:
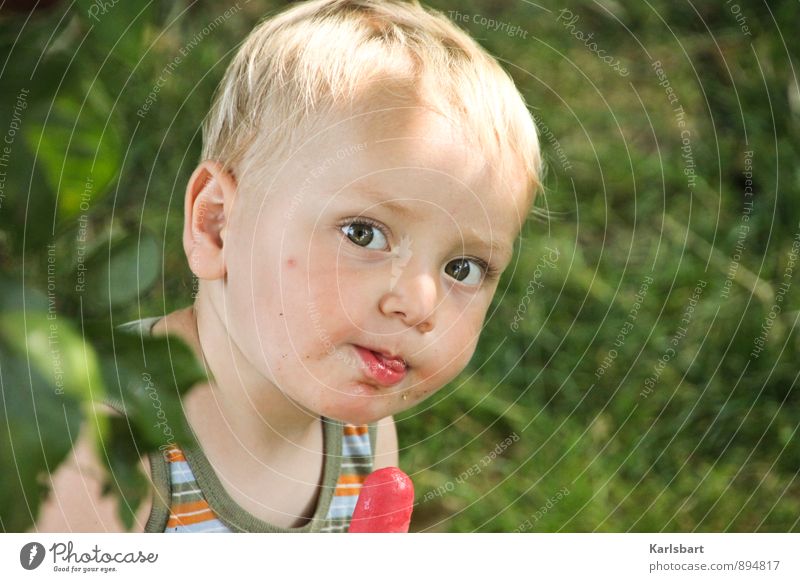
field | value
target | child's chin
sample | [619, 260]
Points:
[357, 417]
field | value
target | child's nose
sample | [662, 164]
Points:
[412, 297]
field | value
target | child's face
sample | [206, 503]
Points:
[370, 239]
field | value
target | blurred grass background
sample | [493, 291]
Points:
[713, 446]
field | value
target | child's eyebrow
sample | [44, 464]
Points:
[380, 199]
[469, 237]
[498, 250]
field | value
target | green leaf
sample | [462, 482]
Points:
[147, 377]
[13, 296]
[77, 144]
[26, 200]
[118, 28]
[38, 427]
[56, 350]
[119, 272]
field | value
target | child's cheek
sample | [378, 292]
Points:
[452, 354]
[313, 290]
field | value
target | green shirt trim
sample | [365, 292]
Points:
[236, 518]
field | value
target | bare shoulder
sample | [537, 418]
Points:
[180, 323]
[386, 454]
[76, 503]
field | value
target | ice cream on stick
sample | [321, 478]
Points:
[384, 504]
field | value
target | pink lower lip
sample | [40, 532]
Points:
[379, 369]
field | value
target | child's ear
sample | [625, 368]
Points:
[209, 199]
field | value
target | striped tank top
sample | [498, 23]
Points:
[189, 496]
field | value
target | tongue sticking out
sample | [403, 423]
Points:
[384, 504]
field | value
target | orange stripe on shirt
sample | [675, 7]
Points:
[175, 520]
[174, 455]
[349, 484]
[352, 430]
[350, 478]
[198, 510]
[190, 506]
[346, 491]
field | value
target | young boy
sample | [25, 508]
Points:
[367, 169]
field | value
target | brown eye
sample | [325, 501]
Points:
[458, 270]
[365, 235]
[464, 270]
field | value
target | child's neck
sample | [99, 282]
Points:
[239, 401]
[266, 451]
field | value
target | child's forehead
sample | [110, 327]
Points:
[412, 139]
[395, 148]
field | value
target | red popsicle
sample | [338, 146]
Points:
[384, 504]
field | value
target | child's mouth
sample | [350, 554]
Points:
[384, 370]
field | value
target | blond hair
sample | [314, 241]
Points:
[326, 54]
